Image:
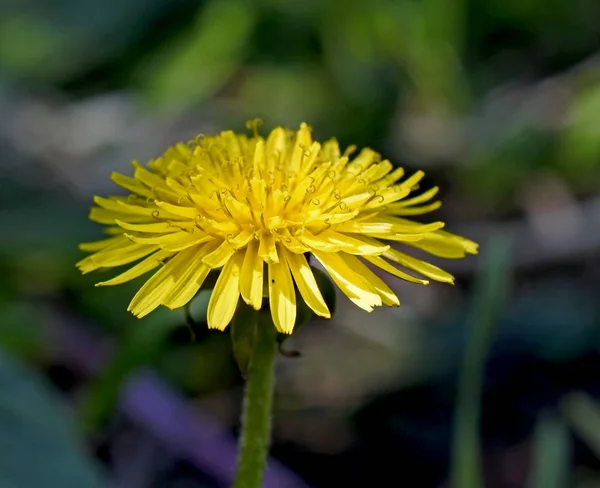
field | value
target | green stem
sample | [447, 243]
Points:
[258, 403]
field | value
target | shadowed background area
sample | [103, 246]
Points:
[491, 383]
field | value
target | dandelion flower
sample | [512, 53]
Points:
[234, 203]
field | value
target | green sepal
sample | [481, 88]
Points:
[243, 335]
[244, 331]
[327, 288]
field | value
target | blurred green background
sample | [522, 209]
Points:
[491, 383]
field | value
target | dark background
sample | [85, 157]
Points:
[498, 101]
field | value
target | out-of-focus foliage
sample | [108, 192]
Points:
[39, 444]
[551, 454]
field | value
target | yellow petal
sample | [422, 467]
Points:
[411, 181]
[293, 244]
[282, 296]
[109, 258]
[387, 295]
[361, 227]
[422, 267]
[420, 210]
[384, 265]
[390, 179]
[159, 239]
[139, 269]
[220, 255]
[387, 196]
[103, 216]
[398, 237]
[131, 184]
[267, 249]
[355, 245]
[306, 283]
[446, 245]
[153, 227]
[186, 241]
[356, 288]
[149, 179]
[103, 244]
[399, 224]
[318, 242]
[468, 245]
[251, 278]
[122, 207]
[181, 211]
[224, 298]
[423, 197]
[238, 210]
[113, 230]
[160, 284]
[331, 150]
[243, 238]
[187, 286]
[259, 157]
[277, 141]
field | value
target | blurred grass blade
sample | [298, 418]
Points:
[551, 454]
[200, 63]
[489, 297]
[583, 413]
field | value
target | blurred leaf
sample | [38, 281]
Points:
[54, 41]
[499, 165]
[243, 335]
[26, 44]
[579, 143]
[288, 94]
[431, 36]
[196, 66]
[351, 51]
[490, 294]
[583, 413]
[142, 344]
[38, 442]
[551, 456]
[21, 332]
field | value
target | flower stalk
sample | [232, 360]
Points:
[255, 438]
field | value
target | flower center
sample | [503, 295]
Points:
[274, 193]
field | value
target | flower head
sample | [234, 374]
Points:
[233, 203]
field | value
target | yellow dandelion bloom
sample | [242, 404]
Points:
[232, 203]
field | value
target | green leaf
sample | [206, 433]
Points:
[551, 459]
[39, 445]
[243, 335]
